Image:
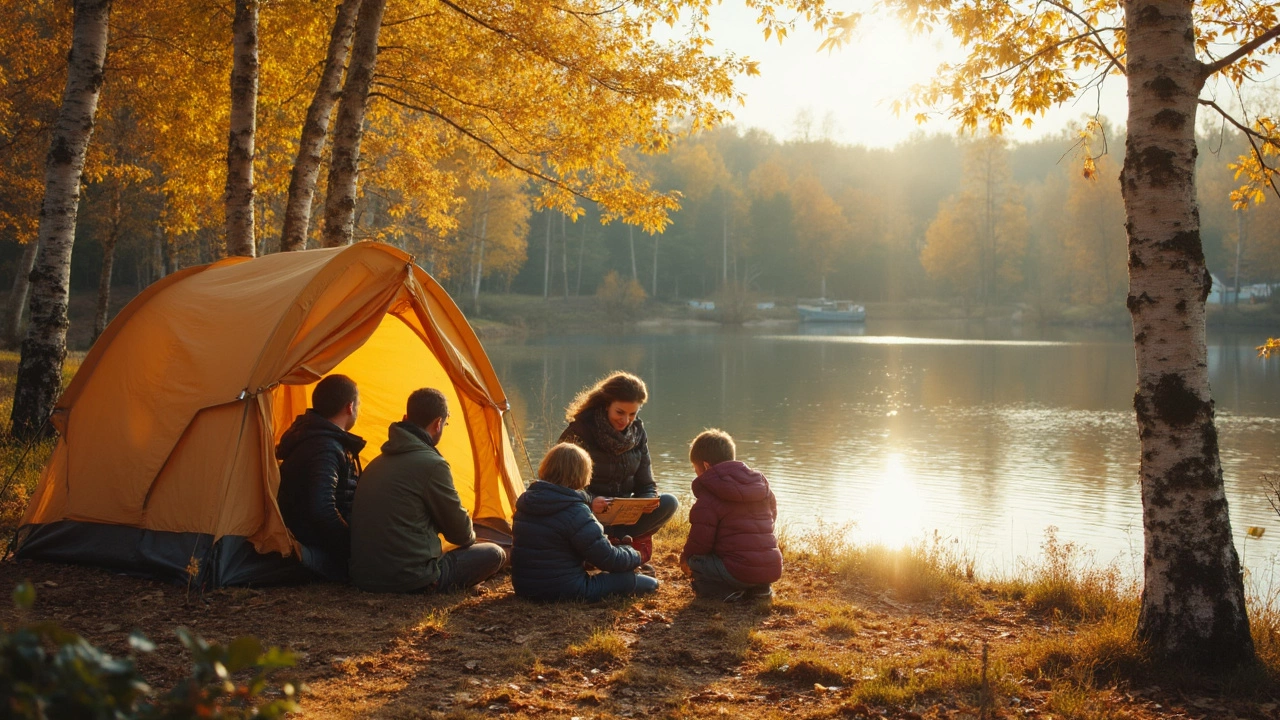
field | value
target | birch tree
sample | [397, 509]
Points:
[306, 169]
[44, 348]
[1024, 57]
[344, 165]
[244, 109]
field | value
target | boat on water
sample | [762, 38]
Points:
[832, 311]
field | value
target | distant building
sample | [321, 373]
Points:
[702, 304]
[1223, 294]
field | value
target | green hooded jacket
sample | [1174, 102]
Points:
[405, 501]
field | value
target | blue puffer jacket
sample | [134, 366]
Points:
[553, 532]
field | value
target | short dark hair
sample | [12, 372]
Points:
[712, 446]
[425, 405]
[332, 394]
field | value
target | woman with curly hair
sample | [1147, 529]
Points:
[602, 420]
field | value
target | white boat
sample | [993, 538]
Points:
[832, 311]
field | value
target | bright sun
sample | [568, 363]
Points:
[894, 510]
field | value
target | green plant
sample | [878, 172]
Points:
[49, 672]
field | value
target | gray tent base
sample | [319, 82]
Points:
[231, 560]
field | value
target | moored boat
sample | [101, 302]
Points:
[832, 311]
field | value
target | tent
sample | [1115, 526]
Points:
[164, 464]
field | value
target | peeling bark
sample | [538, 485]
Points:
[1193, 609]
[18, 293]
[44, 348]
[344, 165]
[244, 107]
[306, 169]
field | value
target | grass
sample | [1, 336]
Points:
[604, 647]
[20, 463]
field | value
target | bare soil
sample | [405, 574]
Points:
[487, 653]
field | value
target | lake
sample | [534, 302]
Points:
[987, 433]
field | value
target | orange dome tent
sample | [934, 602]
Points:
[165, 465]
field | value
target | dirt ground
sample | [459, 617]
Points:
[814, 652]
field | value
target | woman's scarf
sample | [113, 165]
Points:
[609, 440]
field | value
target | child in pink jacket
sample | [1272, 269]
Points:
[732, 552]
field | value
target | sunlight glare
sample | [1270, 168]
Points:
[894, 511]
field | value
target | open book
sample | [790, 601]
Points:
[625, 511]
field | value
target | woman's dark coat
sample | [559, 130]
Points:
[614, 474]
[553, 532]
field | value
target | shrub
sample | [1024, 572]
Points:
[46, 671]
[622, 300]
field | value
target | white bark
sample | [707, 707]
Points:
[306, 169]
[18, 293]
[108, 264]
[244, 108]
[44, 348]
[344, 164]
[1193, 596]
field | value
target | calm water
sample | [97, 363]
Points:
[986, 433]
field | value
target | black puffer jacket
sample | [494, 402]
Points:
[552, 534]
[625, 474]
[318, 471]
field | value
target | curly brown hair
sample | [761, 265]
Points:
[615, 387]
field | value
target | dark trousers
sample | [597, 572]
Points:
[464, 567]
[649, 522]
[711, 579]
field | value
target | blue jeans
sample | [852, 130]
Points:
[648, 523]
[603, 585]
[464, 567]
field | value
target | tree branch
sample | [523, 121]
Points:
[1096, 32]
[490, 146]
[1253, 136]
[1230, 59]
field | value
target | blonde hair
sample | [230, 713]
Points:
[566, 465]
[712, 446]
[615, 387]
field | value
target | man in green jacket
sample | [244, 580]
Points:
[404, 502]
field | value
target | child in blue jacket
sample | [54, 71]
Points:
[554, 532]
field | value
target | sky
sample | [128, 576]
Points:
[851, 90]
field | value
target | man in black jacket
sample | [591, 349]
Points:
[320, 462]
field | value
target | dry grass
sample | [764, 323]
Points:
[603, 648]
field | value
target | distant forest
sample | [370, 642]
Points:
[973, 220]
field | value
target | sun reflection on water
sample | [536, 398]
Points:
[894, 510]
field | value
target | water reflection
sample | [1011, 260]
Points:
[987, 432]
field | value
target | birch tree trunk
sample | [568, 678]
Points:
[546, 262]
[340, 204]
[244, 108]
[44, 348]
[306, 169]
[655, 266]
[582, 247]
[631, 240]
[108, 265]
[564, 255]
[1193, 607]
[18, 293]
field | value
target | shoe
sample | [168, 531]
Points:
[643, 545]
[735, 596]
[759, 592]
[647, 569]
